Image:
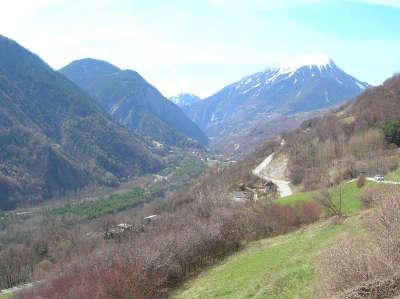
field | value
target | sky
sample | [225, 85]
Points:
[200, 46]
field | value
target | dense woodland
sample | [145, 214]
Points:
[135, 103]
[54, 140]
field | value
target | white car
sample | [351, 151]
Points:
[379, 178]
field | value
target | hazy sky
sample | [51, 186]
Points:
[201, 46]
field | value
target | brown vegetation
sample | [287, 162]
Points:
[364, 266]
[195, 229]
[361, 181]
[347, 142]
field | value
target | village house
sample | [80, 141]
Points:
[149, 219]
[118, 230]
[242, 196]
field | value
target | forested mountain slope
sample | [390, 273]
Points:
[53, 138]
[133, 102]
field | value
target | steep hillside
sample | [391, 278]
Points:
[133, 102]
[360, 138]
[279, 267]
[304, 84]
[53, 138]
[243, 140]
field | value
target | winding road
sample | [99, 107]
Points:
[268, 173]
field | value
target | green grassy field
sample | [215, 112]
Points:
[110, 204]
[180, 171]
[279, 267]
[6, 296]
[350, 199]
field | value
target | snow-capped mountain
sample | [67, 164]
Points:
[303, 84]
[184, 100]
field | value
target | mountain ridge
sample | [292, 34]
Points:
[133, 102]
[184, 99]
[293, 87]
[54, 139]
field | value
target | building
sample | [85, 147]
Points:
[149, 219]
[118, 230]
[242, 196]
[124, 226]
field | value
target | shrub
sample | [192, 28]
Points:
[391, 129]
[119, 280]
[361, 181]
[169, 251]
[357, 261]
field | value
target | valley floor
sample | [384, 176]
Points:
[280, 267]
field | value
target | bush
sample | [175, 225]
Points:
[99, 280]
[194, 236]
[372, 195]
[361, 181]
[391, 129]
[357, 261]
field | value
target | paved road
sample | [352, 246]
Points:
[260, 171]
[383, 182]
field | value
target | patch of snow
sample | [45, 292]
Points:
[319, 60]
[362, 87]
[339, 81]
[213, 117]
[115, 107]
[287, 69]
[322, 62]
[327, 97]
[249, 80]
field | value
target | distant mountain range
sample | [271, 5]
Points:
[185, 100]
[304, 84]
[133, 102]
[54, 139]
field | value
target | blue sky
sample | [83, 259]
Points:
[201, 46]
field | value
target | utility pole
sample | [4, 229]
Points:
[340, 199]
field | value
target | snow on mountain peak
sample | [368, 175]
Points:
[319, 60]
[184, 99]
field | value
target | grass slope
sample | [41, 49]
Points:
[6, 296]
[280, 267]
[350, 200]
